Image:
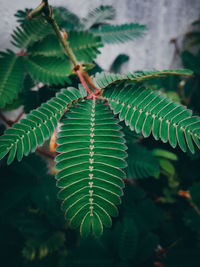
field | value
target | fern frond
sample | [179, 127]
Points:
[105, 79]
[30, 32]
[146, 111]
[92, 155]
[50, 70]
[11, 77]
[38, 126]
[119, 33]
[98, 16]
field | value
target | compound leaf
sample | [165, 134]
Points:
[49, 70]
[105, 79]
[11, 77]
[119, 33]
[38, 126]
[98, 16]
[146, 111]
[29, 32]
[90, 176]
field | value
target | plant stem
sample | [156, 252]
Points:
[19, 116]
[90, 81]
[4, 119]
[83, 75]
[45, 153]
[50, 19]
[79, 74]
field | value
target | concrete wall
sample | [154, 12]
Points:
[165, 19]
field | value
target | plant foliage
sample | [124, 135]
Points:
[11, 77]
[99, 150]
[119, 33]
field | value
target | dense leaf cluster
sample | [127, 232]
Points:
[158, 221]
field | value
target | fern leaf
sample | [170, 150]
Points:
[98, 16]
[91, 180]
[105, 79]
[30, 32]
[146, 111]
[11, 77]
[119, 33]
[38, 126]
[50, 70]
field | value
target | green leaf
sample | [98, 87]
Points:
[11, 77]
[98, 16]
[21, 15]
[119, 33]
[48, 47]
[141, 162]
[118, 62]
[161, 153]
[66, 19]
[128, 242]
[105, 79]
[29, 32]
[146, 111]
[191, 61]
[37, 246]
[38, 126]
[85, 45]
[91, 180]
[50, 70]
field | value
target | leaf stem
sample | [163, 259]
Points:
[90, 81]
[50, 19]
[62, 37]
[5, 120]
[79, 74]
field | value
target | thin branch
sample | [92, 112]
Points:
[186, 194]
[10, 122]
[90, 81]
[5, 120]
[79, 74]
[45, 153]
[50, 19]
[46, 10]
[19, 116]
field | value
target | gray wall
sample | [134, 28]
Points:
[165, 19]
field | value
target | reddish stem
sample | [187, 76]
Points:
[90, 81]
[22, 53]
[45, 153]
[4, 119]
[79, 74]
[9, 122]
[19, 116]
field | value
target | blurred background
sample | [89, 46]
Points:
[165, 19]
